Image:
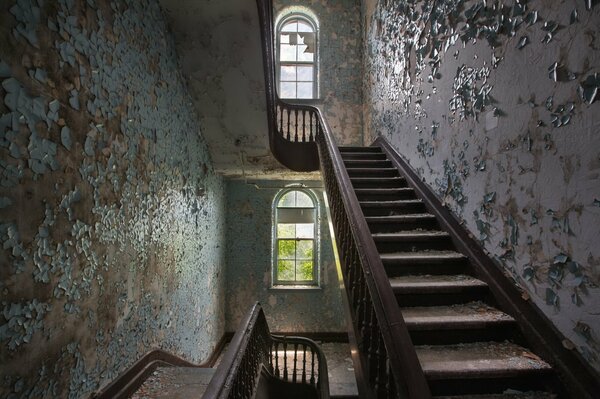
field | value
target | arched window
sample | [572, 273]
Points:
[295, 227]
[297, 56]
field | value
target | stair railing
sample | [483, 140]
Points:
[253, 350]
[387, 355]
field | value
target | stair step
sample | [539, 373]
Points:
[391, 224]
[384, 194]
[368, 163]
[392, 208]
[458, 324]
[413, 240]
[363, 156]
[436, 290]
[424, 262]
[463, 316]
[175, 382]
[359, 149]
[372, 172]
[509, 394]
[377, 182]
[481, 367]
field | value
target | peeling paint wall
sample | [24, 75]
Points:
[110, 209]
[249, 227]
[340, 64]
[495, 104]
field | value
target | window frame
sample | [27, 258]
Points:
[275, 281]
[284, 19]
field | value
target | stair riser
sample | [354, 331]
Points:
[379, 183]
[466, 386]
[497, 333]
[364, 156]
[403, 209]
[414, 245]
[427, 224]
[441, 299]
[394, 269]
[390, 196]
[368, 164]
[360, 149]
[373, 173]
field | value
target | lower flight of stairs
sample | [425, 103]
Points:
[466, 345]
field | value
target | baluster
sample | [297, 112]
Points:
[285, 370]
[310, 127]
[277, 359]
[303, 125]
[295, 361]
[296, 125]
[312, 366]
[281, 121]
[304, 364]
[289, 121]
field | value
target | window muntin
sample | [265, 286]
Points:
[295, 246]
[297, 58]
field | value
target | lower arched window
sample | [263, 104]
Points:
[295, 246]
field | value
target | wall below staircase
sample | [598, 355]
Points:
[110, 211]
[493, 107]
[249, 234]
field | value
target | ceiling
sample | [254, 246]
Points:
[218, 43]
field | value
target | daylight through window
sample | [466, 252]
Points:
[294, 243]
[297, 47]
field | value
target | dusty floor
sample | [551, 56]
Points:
[187, 382]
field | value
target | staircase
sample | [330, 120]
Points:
[464, 343]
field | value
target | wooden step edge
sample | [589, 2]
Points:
[409, 235]
[426, 284]
[423, 256]
[471, 315]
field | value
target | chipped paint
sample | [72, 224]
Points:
[249, 229]
[110, 209]
[517, 80]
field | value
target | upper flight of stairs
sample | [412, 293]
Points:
[467, 346]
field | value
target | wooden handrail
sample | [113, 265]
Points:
[388, 355]
[253, 350]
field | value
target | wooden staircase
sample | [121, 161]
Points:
[466, 344]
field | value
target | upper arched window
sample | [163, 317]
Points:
[295, 249]
[297, 56]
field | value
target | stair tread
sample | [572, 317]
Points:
[377, 178]
[358, 149]
[509, 394]
[478, 360]
[439, 283]
[399, 218]
[371, 169]
[176, 383]
[390, 203]
[468, 315]
[417, 233]
[423, 255]
[382, 190]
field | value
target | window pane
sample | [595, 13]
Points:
[304, 55]
[304, 271]
[288, 200]
[305, 74]
[303, 200]
[286, 249]
[290, 27]
[288, 73]
[288, 89]
[285, 270]
[305, 90]
[305, 230]
[287, 52]
[304, 249]
[304, 27]
[287, 230]
[284, 38]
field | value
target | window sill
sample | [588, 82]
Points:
[295, 288]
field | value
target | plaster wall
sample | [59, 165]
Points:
[110, 210]
[249, 234]
[340, 52]
[494, 103]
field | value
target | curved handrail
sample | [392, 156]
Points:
[253, 350]
[292, 127]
